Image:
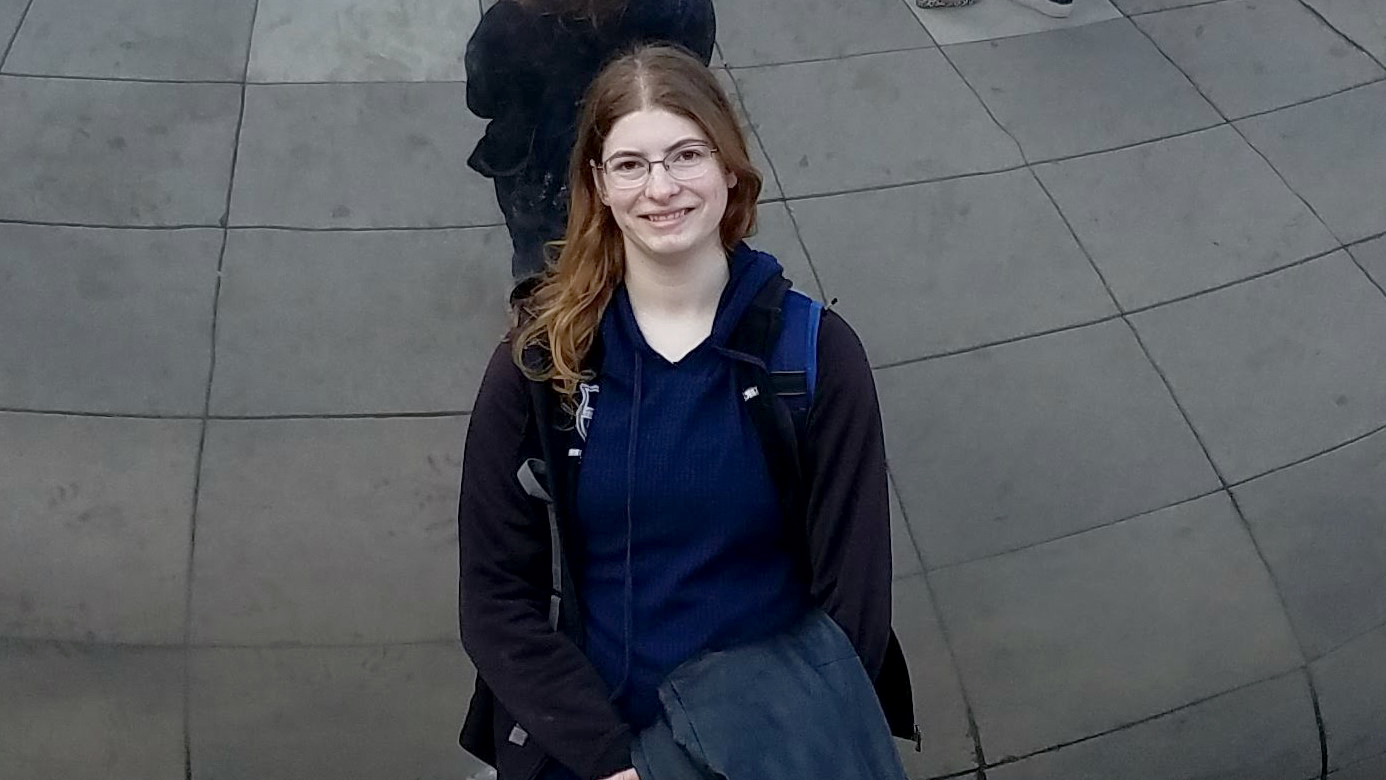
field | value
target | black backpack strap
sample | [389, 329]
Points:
[779, 336]
[759, 327]
[753, 342]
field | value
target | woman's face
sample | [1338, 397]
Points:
[665, 218]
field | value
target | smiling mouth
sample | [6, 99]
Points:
[670, 217]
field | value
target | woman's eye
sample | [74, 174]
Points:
[688, 155]
[626, 166]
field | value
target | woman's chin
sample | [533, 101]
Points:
[692, 239]
[666, 245]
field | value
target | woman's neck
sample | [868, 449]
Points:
[675, 304]
[687, 288]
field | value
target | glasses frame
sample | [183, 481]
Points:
[616, 183]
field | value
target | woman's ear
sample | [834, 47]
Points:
[731, 180]
[597, 184]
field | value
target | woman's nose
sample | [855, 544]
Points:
[660, 183]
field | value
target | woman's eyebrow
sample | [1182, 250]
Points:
[671, 147]
[684, 142]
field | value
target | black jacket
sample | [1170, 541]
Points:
[527, 72]
[540, 678]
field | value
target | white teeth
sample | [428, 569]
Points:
[666, 217]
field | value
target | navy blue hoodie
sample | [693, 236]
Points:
[684, 542]
[541, 679]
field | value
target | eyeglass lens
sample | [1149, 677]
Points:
[683, 164]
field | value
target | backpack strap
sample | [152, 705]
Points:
[793, 360]
[777, 340]
[533, 474]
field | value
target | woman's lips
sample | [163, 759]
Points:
[667, 218]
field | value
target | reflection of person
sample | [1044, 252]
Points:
[676, 539]
[527, 66]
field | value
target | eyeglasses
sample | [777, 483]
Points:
[628, 171]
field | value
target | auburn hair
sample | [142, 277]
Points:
[561, 315]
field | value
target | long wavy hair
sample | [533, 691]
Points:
[562, 314]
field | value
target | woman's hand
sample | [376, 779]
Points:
[628, 774]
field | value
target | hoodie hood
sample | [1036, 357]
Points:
[750, 271]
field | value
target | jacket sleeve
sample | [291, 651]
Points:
[537, 674]
[848, 498]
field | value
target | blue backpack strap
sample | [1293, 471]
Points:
[793, 361]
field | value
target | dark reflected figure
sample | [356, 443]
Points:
[528, 64]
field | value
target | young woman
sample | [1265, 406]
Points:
[683, 566]
[528, 63]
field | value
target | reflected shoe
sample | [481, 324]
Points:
[943, 3]
[1059, 9]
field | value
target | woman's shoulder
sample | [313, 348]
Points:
[501, 370]
[840, 350]
[834, 331]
